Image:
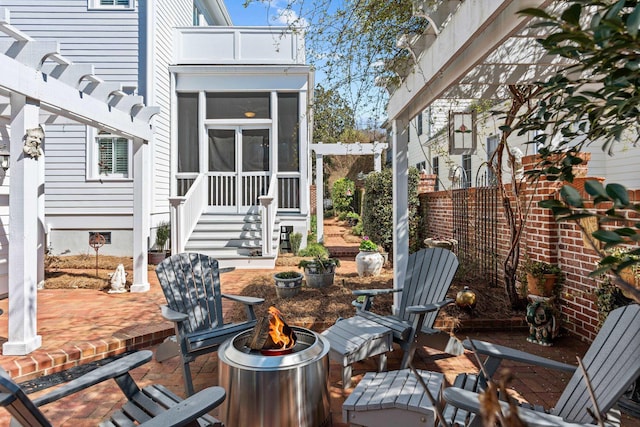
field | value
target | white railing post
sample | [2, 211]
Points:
[268, 211]
[177, 218]
[186, 213]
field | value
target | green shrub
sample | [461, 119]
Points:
[311, 236]
[357, 230]
[295, 239]
[314, 250]
[377, 216]
[342, 195]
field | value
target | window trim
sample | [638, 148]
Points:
[95, 5]
[92, 168]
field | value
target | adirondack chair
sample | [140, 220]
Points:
[611, 363]
[191, 285]
[429, 275]
[152, 406]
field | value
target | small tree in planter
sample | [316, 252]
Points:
[163, 232]
[320, 271]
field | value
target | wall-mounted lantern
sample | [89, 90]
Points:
[4, 158]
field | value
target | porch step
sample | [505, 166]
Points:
[234, 240]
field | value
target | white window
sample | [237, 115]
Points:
[108, 157]
[111, 4]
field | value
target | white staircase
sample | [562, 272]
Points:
[234, 240]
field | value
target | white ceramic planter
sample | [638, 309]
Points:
[369, 263]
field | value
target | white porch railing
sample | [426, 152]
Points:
[268, 211]
[289, 191]
[186, 212]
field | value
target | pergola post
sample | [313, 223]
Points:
[24, 230]
[319, 198]
[141, 192]
[400, 142]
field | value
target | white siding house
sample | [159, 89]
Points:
[130, 43]
[134, 46]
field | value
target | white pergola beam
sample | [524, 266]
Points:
[477, 28]
[18, 78]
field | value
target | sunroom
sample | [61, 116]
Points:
[241, 153]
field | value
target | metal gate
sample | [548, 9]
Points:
[475, 225]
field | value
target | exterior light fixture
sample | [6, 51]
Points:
[249, 114]
[4, 158]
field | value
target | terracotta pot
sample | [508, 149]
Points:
[156, 258]
[549, 281]
[369, 263]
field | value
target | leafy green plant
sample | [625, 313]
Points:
[163, 232]
[357, 229]
[608, 298]
[314, 250]
[368, 245]
[320, 263]
[288, 275]
[538, 270]
[295, 239]
[618, 227]
[342, 195]
[377, 216]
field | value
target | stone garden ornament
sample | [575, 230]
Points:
[118, 280]
[33, 142]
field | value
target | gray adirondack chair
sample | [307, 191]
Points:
[152, 406]
[429, 275]
[191, 285]
[611, 363]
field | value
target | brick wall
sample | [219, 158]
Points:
[543, 240]
[314, 201]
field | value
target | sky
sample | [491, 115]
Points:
[258, 13]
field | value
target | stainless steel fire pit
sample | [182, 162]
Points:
[284, 390]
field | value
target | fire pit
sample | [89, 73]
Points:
[267, 388]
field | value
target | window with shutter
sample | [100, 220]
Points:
[113, 156]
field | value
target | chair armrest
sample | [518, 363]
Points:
[428, 307]
[374, 292]
[468, 401]
[110, 370]
[502, 352]
[188, 410]
[243, 299]
[172, 315]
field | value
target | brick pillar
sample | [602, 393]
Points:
[312, 196]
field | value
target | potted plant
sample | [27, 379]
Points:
[158, 252]
[288, 283]
[369, 260]
[319, 272]
[542, 278]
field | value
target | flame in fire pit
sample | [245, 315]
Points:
[281, 334]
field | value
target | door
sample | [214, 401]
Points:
[239, 168]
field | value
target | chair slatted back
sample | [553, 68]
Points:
[18, 404]
[191, 285]
[429, 275]
[612, 364]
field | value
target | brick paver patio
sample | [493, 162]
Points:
[86, 325]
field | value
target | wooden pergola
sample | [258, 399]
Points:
[340, 149]
[470, 50]
[30, 98]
